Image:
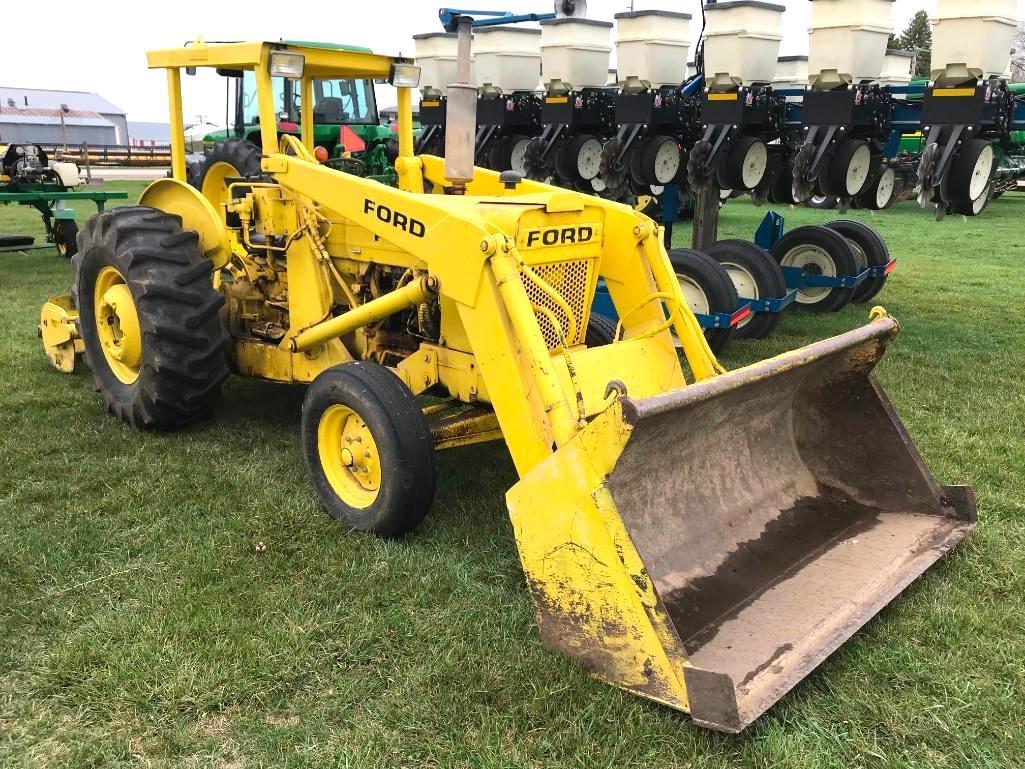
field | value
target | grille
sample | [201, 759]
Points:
[572, 281]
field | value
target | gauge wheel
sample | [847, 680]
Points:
[781, 191]
[818, 251]
[583, 153]
[970, 177]
[755, 275]
[659, 161]
[707, 290]
[881, 193]
[823, 202]
[65, 237]
[507, 153]
[745, 164]
[368, 449]
[849, 170]
[869, 251]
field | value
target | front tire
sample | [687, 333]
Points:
[368, 449]
[148, 318]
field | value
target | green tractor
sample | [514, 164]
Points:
[347, 126]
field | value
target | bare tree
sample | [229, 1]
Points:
[1018, 55]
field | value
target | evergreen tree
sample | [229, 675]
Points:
[917, 37]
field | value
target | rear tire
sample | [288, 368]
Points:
[870, 250]
[234, 158]
[708, 290]
[819, 250]
[368, 449]
[159, 362]
[755, 275]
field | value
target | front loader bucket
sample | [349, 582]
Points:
[709, 547]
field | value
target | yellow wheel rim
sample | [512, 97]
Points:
[349, 456]
[215, 188]
[117, 325]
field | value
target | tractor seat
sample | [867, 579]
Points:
[330, 110]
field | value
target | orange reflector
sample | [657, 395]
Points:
[740, 315]
[350, 140]
[321, 153]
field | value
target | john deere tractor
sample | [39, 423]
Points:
[346, 125]
[701, 538]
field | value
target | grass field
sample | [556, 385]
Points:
[139, 626]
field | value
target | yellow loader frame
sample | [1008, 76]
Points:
[644, 476]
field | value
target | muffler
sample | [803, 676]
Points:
[709, 547]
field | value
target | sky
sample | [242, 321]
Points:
[108, 51]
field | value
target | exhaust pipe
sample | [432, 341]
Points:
[461, 116]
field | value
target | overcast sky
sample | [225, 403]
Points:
[103, 49]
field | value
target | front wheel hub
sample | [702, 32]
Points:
[349, 456]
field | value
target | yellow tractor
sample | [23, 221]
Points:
[701, 538]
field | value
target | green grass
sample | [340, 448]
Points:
[140, 626]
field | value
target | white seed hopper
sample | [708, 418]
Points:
[652, 46]
[507, 58]
[847, 40]
[898, 68]
[742, 40]
[436, 54]
[575, 52]
[973, 39]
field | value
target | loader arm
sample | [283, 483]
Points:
[470, 245]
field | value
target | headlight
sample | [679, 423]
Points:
[404, 75]
[288, 65]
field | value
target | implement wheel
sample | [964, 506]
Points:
[755, 275]
[869, 250]
[708, 290]
[818, 251]
[65, 237]
[368, 449]
[148, 318]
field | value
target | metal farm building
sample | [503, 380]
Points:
[55, 117]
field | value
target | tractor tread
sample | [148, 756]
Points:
[184, 341]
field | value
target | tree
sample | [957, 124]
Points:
[917, 37]
[1018, 56]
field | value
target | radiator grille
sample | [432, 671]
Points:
[572, 281]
